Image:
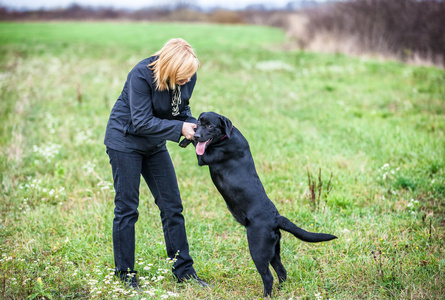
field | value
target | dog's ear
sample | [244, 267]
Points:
[226, 124]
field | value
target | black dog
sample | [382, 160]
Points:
[225, 150]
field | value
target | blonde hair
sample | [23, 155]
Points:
[176, 62]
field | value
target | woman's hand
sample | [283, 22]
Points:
[188, 130]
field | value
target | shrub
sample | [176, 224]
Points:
[408, 29]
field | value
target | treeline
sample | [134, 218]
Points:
[182, 11]
[408, 30]
[78, 12]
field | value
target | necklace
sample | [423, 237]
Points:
[176, 100]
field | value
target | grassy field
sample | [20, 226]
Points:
[377, 127]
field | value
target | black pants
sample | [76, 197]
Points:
[159, 174]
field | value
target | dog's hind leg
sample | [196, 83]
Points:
[276, 262]
[262, 248]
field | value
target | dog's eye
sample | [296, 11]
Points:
[209, 126]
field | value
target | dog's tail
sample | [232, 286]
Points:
[311, 237]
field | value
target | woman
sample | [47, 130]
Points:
[152, 108]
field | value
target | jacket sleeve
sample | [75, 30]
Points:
[142, 118]
[188, 113]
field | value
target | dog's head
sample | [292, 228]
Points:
[211, 128]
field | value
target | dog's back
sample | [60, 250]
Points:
[237, 180]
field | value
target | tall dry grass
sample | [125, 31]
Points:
[408, 30]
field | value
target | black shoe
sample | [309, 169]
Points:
[129, 279]
[196, 279]
[132, 282]
[202, 283]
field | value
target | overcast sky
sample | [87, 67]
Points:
[134, 4]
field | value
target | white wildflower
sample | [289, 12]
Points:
[89, 167]
[47, 151]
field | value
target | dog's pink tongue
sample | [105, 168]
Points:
[200, 148]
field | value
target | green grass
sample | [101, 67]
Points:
[378, 127]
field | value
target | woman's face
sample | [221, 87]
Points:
[182, 81]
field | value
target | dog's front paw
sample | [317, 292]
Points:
[184, 143]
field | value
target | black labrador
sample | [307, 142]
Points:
[224, 149]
